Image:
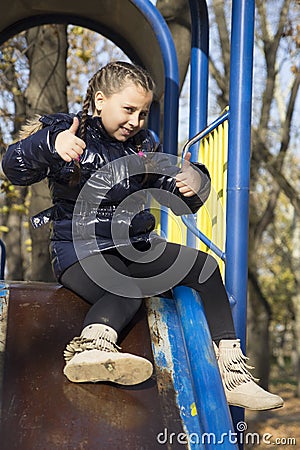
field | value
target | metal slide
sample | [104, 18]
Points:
[42, 410]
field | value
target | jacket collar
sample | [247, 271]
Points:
[96, 122]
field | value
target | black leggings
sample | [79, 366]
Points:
[125, 282]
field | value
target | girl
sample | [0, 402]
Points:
[94, 164]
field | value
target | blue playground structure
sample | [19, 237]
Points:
[183, 354]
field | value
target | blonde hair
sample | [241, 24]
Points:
[31, 126]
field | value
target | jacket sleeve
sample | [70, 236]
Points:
[29, 160]
[164, 169]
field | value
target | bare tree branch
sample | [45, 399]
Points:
[218, 8]
[223, 97]
[253, 279]
[286, 127]
[271, 165]
[278, 162]
[271, 45]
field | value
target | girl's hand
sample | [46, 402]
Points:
[188, 180]
[68, 145]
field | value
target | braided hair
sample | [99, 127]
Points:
[110, 79]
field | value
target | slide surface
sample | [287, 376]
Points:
[41, 409]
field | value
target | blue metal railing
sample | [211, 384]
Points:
[189, 220]
[203, 366]
[198, 77]
[171, 94]
[187, 306]
[199, 69]
[240, 102]
[190, 223]
[239, 157]
[203, 133]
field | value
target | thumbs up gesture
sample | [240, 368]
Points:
[188, 180]
[68, 145]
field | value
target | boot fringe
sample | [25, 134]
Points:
[80, 344]
[234, 369]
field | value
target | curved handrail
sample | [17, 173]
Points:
[188, 221]
[199, 68]
[203, 133]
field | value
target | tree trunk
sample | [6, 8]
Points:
[15, 196]
[258, 342]
[296, 297]
[177, 15]
[46, 93]
[13, 240]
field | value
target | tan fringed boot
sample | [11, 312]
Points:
[94, 356]
[239, 384]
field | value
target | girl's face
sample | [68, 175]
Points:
[123, 114]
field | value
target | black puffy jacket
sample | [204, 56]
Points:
[107, 208]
